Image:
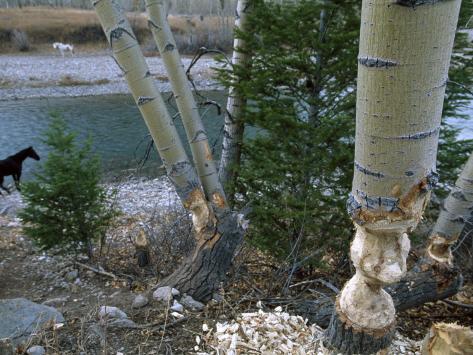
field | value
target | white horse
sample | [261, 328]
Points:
[61, 47]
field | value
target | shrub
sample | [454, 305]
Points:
[65, 205]
[20, 40]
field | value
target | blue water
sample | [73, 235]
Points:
[119, 133]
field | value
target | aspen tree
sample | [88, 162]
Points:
[216, 229]
[234, 125]
[405, 49]
[455, 211]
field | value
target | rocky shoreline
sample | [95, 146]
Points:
[46, 76]
[134, 196]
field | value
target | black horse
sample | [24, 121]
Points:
[13, 165]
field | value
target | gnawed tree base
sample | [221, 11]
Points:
[350, 339]
[426, 282]
[201, 274]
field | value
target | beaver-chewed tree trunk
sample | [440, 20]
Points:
[405, 49]
[216, 229]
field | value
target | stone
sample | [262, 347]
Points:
[112, 312]
[177, 307]
[72, 275]
[191, 303]
[139, 301]
[21, 317]
[165, 293]
[36, 350]
[217, 297]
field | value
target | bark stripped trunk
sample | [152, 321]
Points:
[216, 228]
[405, 49]
[234, 125]
[448, 339]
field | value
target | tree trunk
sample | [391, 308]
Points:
[422, 284]
[434, 277]
[448, 339]
[405, 49]
[456, 210]
[195, 130]
[234, 125]
[215, 227]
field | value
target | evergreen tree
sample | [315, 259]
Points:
[65, 203]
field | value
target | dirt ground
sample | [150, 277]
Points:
[28, 272]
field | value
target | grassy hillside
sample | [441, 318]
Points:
[43, 26]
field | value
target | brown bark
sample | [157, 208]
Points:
[203, 271]
[349, 339]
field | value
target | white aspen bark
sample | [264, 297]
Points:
[129, 57]
[405, 49]
[195, 130]
[456, 210]
[234, 127]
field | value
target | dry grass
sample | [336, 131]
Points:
[44, 25]
[68, 80]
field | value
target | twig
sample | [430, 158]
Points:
[160, 325]
[459, 304]
[97, 271]
[322, 281]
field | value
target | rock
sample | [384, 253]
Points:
[36, 350]
[165, 293]
[139, 301]
[177, 307]
[21, 317]
[191, 303]
[112, 312]
[217, 297]
[72, 275]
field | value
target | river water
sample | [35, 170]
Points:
[119, 134]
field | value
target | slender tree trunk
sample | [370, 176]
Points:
[456, 210]
[234, 125]
[195, 130]
[216, 229]
[405, 49]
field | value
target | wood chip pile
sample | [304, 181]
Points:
[276, 332]
[263, 333]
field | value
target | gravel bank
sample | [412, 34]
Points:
[136, 196]
[54, 76]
